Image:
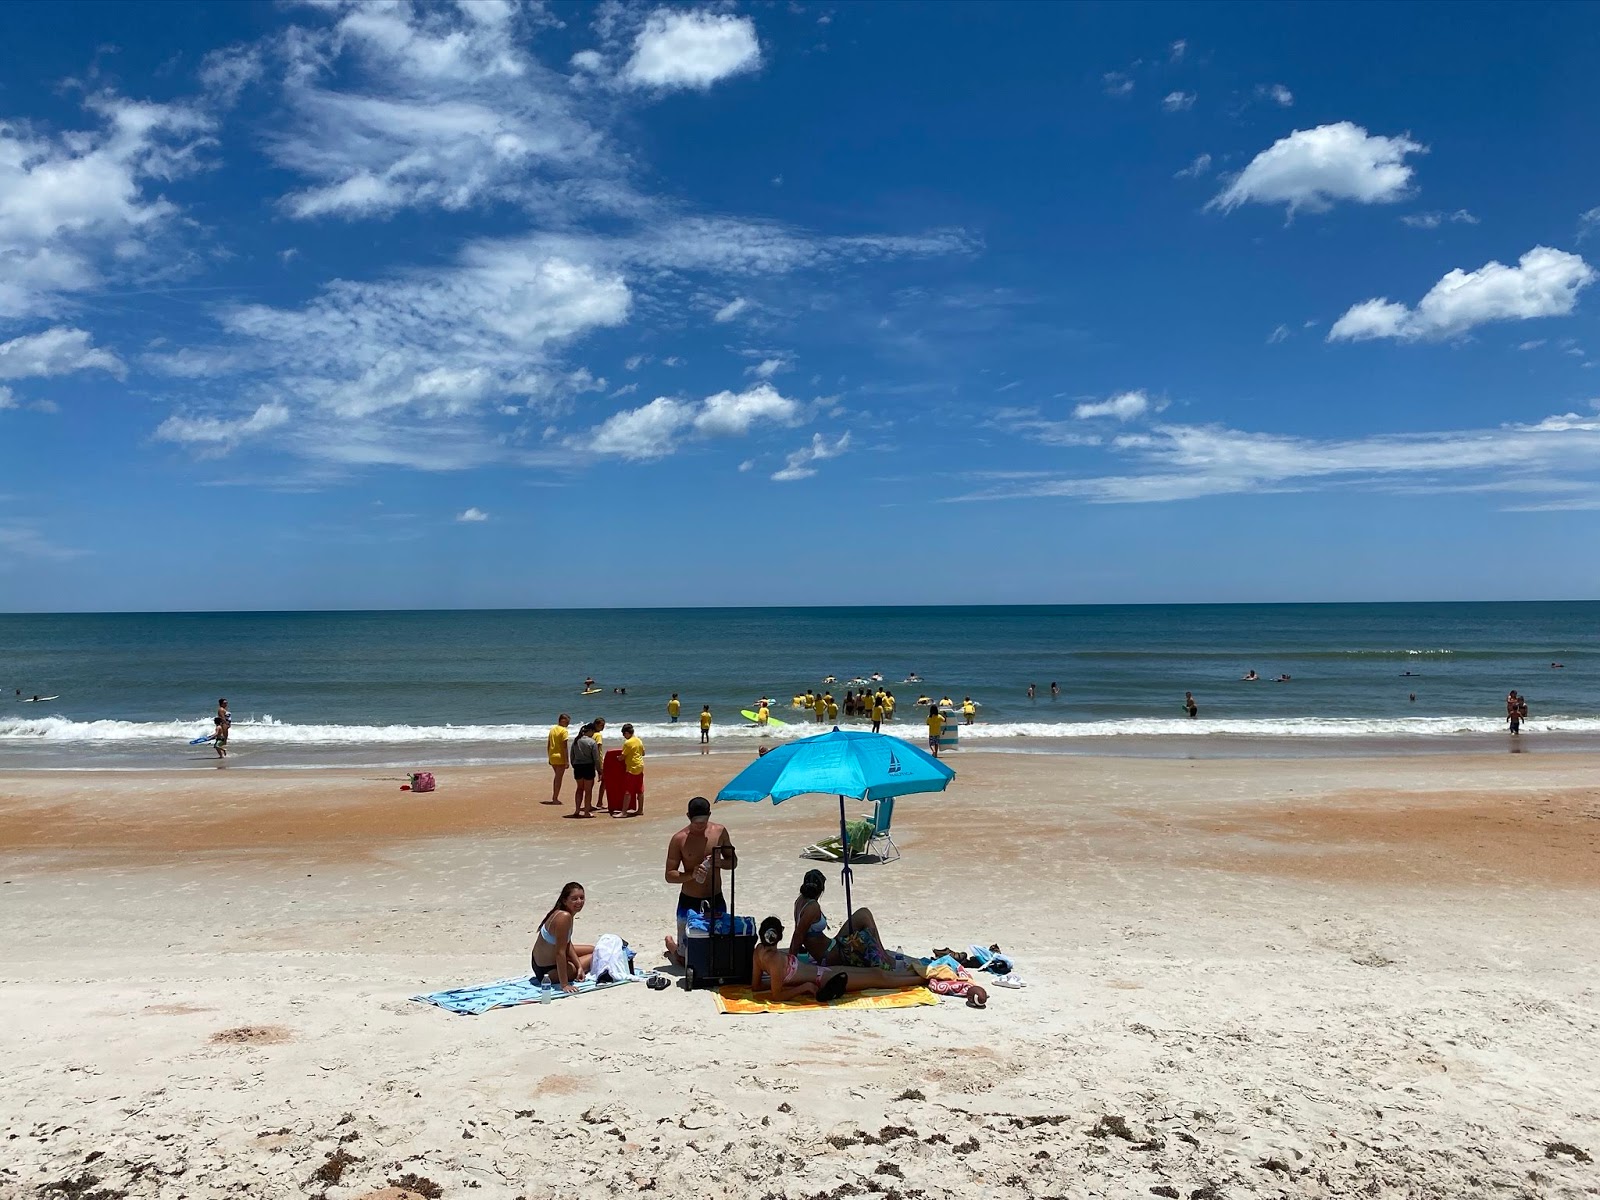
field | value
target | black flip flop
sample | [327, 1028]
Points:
[833, 989]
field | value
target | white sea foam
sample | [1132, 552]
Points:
[267, 731]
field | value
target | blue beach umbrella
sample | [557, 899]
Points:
[848, 764]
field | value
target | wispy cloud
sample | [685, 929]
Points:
[799, 463]
[1178, 101]
[23, 541]
[1116, 83]
[472, 516]
[1432, 220]
[1588, 222]
[1184, 462]
[1200, 166]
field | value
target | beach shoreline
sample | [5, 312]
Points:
[1315, 977]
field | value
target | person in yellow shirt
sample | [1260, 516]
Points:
[705, 729]
[762, 715]
[556, 750]
[877, 713]
[888, 706]
[935, 728]
[968, 709]
[820, 707]
[673, 708]
[598, 733]
[632, 773]
[832, 709]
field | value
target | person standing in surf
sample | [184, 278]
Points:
[705, 729]
[1189, 706]
[224, 726]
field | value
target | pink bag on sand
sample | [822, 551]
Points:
[422, 781]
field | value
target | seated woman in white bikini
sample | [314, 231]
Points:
[788, 978]
[861, 946]
[556, 957]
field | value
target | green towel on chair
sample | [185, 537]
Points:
[832, 849]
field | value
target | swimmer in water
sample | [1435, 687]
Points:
[1249, 676]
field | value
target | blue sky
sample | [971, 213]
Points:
[308, 306]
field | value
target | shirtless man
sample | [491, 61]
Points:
[695, 858]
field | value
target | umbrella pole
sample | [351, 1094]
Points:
[844, 840]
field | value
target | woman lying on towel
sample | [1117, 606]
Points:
[789, 979]
[859, 947]
[556, 957]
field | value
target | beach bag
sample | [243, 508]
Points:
[422, 781]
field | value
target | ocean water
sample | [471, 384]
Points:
[392, 688]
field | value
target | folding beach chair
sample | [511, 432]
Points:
[868, 839]
[881, 843]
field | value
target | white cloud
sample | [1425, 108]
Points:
[1177, 50]
[1178, 101]
[56, 351]
[588, 60]
[1124, 406]
[1280, 334]
[656, 429]
[1588, 222]
[1432, 220]
[798, 464]
[1531, 345]
[730, 310]
[640, 434]
[1544, 283]
[767, 368]
[218, 435]
[401, 106]
[731, 414]
[8, 399]
[1116, 83]
[472, 515]
[1277, 93]
[1181, 462]
[1312, 168]
[691, 49]
[1197, 168]
[77, 207]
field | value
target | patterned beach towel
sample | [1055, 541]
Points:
[508, 993]
[740, 1000]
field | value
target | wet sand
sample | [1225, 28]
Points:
[1276, 978]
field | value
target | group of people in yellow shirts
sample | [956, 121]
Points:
[585, 754]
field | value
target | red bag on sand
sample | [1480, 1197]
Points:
[422, 781]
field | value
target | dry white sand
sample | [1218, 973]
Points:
[1301, 978]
